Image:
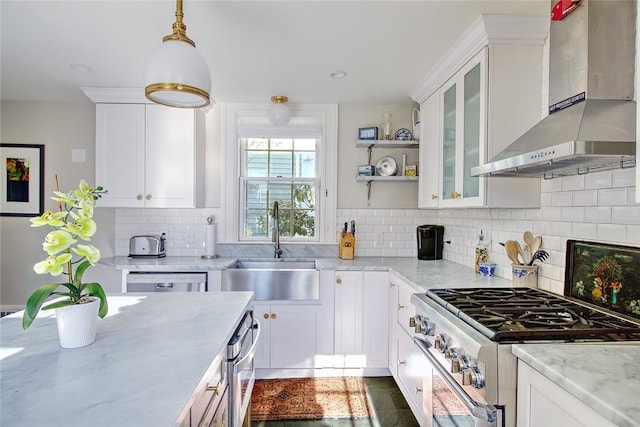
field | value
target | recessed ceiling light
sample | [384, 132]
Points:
[81, 68]
[338, 74]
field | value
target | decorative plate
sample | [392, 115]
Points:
[403, 134]
[386, 166]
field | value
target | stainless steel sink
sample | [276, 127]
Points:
[274, 279]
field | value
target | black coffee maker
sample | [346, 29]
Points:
[430, 241]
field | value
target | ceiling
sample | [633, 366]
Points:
[254, 49]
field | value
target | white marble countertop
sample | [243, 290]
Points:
[420, 274]
[134, 374]
[606, 377]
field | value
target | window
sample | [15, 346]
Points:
[294, 165]
[282, 170]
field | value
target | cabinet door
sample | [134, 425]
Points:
[429, 177]
[349, 299]
[463, 103]
[393, 326]
[293, 336]
[412, 366]
[170, 157]
[262, 312]
[120, 153]
[405, 308]
[376, 319]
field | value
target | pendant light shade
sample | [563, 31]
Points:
[279, 113]
[176, 74]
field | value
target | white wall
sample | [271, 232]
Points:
[352, 194]
[61, 127]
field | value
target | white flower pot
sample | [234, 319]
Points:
[77, 324]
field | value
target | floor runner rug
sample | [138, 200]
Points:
[310, 399]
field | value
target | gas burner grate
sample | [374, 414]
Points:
[526, 314]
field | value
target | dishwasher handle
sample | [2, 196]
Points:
[248, 358]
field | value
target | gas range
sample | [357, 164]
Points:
[466, 334]
[526, 314]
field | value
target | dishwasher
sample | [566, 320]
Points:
[166, 282]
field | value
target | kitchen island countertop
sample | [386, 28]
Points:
[150, 353]
[603, 376]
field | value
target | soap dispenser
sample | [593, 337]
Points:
[482, 252]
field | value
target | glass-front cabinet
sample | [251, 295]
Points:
[484, 93]
[463, 100]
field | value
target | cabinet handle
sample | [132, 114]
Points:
[148, 197]
[266, 315]
[400, 306]
[418, 390]
[215, 388]
[392, 285]
[455, 195]
[139, 197]
[401, 362]
[339, 281]
[273, 315]
[434, 196]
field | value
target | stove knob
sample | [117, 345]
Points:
[456, 365]
[440, 343]
[473, 377]
[450, 353]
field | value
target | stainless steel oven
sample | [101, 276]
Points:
[241, 369]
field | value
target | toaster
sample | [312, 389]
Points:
[148, 246]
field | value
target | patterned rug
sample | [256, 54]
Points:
[446, 403]
[310, 399]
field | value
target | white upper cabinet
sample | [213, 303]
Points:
[149, 155]
[478, 99]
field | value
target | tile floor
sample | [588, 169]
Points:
[386, 399]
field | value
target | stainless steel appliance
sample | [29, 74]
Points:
[166, 282]
[241, 373]
[147, 246]
[592, 116]
[466, 334]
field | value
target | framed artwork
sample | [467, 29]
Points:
[22, 179]
[604, 275]
[369, 134]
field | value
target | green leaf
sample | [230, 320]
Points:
[95, 290]
[59, 304]
[77, 278]
[35, 301]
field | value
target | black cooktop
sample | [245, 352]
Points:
[527, 314]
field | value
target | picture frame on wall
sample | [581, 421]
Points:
[21, 179]
[368, 134]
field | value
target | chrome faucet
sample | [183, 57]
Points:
[275, 231]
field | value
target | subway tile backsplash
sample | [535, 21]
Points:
[597, 206]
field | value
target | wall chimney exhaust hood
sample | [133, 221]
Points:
[592, 120]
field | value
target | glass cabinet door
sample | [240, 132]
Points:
[449, 143]
[471, 184]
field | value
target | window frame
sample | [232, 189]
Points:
[233, 117]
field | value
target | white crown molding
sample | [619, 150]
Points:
[123, 95]
[486, 30]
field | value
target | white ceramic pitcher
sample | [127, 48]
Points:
[415, 120]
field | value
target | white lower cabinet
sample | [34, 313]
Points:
[406, 361]
[543, 403]
[361, 331]
[289, 335]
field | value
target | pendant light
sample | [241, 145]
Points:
[279, 113]
[177, 75]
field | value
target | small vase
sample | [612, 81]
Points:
[77, 324]
[387, 127]
[525, 275]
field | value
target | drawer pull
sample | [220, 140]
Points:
[339, 281]
[273, 315]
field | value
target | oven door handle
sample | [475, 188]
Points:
[479, 410]
[242, 363]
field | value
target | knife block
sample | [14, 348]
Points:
[347, 247]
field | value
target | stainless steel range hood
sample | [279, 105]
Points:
[592, 120]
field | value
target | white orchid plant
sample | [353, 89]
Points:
[72, 224]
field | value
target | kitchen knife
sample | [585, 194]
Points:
[353, 227]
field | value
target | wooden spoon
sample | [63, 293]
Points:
[536, 244]
[513, 249]
[528, 238]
